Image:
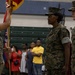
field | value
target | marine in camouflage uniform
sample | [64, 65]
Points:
[55, 53]
[55, 57]
[1, 56]
[73, 52]
[4, 26]
[72, 9]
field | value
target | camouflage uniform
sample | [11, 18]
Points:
[1, 55]
[73, 52]
[72, 9]
[55, 57]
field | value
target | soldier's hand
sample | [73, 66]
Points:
[8, 49]
[8, 8]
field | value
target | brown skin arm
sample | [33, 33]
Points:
[19, 55]
[26, 57]
[6, 24]
[67, 58]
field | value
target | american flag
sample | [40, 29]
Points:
[5, 43]
[6, 39]
[5, 35]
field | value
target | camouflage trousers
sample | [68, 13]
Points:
[73, 59]
[55, 72]
[1, 62]
[1, 68]
[73, 67]
[73, 73]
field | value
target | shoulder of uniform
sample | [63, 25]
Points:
[73, 29]
[63, 28]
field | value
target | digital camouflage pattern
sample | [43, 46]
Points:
[1, 55]
[72, 9]
[73, 52]
[55, 57]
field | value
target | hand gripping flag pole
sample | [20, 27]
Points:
[15, 4]
[7, 37]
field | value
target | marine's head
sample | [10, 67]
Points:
[72, 9]
[54, 15]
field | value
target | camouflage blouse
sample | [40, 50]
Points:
[73, 52]
[1, 50]
[55, 56]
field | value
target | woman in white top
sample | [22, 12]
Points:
[23, 68]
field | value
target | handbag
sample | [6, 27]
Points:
[16, 62]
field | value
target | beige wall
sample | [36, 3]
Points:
[35, 21]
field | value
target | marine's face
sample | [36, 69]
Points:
[52, 19]
[73, 14]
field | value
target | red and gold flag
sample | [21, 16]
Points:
[16, 3]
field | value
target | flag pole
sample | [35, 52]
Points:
[8, 36]
[8, 30]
